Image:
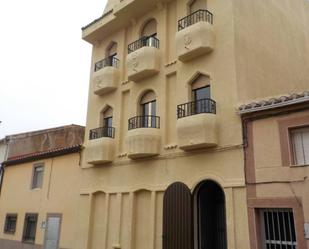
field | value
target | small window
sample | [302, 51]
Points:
[148, 109]
[201, 93]
[108, 122]
[201, 98]
[10, 223]
[111, 54]
[107, 116]
[201, 88]
[112, 50]
[300, 143]
[30, 228]
[37, 179]
[278, 228]
[149, 32]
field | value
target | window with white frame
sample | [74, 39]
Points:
[278, 229]
[37, 178]
[300, 143]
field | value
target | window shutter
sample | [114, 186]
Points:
[200, 81]
[298, 148]
[148, 97]
[300, 138]
[197, 5]
[306, 145]
[108, 112]
[177, 217]
[112, 50]
[150, 28]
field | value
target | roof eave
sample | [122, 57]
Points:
[40, 156]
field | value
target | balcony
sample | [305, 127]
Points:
[195, 35]
[102, 132]
[100, 148]
[143, 58]
[197, 125]
[144, 137]
[106, 75]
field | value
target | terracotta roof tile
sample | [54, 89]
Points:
[274, 102]
[42, 155]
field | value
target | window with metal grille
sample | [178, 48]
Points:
[278, 229]
[10, 223]
[30, 228]
[37, 179]
[300, 142]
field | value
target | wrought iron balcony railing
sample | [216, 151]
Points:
[102, 132]
[107, 62]
[197, 16]
[196, 107]
[146, 121]
[146, 41]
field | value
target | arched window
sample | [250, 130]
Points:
[196, 5]
[148, 103]
[201, 93]
[148, 106]
[111, 51]
[111, 54]
[107, 117]
[149, 33]
[150, 28]
[201, 88]
[107, 121]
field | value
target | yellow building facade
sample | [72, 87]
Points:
[40, 189]
[163, 165]
[125, 179]
[189, 144]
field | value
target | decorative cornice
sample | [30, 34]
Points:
[98, 19]
[170, 63]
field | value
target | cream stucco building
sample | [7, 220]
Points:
[40, 189]
[163, 165]
[189, 144]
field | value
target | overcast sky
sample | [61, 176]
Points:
[44, 63]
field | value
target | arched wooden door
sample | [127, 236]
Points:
[177, 217]
[208, 228]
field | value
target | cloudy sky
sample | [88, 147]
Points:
[44, 63]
